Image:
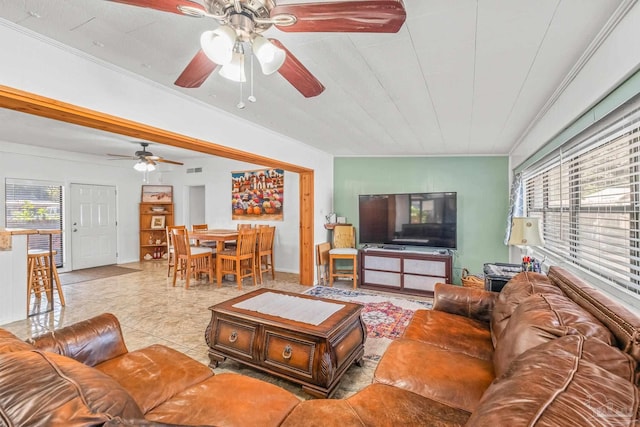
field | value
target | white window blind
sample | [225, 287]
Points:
[587, 197]
[35, 205]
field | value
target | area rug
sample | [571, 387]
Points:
[87, 274]
[385, 317]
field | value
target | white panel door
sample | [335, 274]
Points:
[93, 225]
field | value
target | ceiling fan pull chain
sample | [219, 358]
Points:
[240, 104]
[251, 97]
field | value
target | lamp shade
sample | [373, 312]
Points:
[270, 56]
[525, 231]
[218, 44]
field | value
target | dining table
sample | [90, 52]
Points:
[215, 235]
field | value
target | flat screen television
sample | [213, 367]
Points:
[413, 219]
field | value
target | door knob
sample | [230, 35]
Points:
[75, 229]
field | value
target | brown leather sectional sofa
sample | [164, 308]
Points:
[546, 351]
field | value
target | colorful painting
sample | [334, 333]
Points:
[257, 195]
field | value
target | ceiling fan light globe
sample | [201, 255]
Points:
[234, 70]
[269, 55]
[140, 166]
[218, 44]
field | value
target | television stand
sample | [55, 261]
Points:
[405, 272]
[394, 247]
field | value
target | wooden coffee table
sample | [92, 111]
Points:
[313, 355]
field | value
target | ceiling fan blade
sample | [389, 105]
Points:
[365, 16]
[197, 71]
[121, 157]
[173, 162]
[163, 5]
[298, 75]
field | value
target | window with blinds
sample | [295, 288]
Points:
[587, 198]
[35, 205]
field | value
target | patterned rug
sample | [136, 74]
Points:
[385, 317]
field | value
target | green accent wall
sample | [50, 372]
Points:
[482, 184]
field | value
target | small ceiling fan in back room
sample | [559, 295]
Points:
[146, 160]
[243, 21]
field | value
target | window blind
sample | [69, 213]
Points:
[587, 197]
[35, 205]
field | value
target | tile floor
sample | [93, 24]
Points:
[151, 311]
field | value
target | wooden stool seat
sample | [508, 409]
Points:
[343, 253]
[344, 247]
[42, 275]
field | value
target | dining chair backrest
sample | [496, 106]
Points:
[170, 235]
[181, 245]
[246, 242]
[344, 236]
[199, 227]
[265, 238]
[245, 226]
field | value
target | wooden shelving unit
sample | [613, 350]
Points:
[154, 218]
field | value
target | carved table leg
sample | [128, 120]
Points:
[215, 359]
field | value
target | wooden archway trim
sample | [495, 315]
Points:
[15, 99]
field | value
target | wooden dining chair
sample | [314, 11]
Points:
[322, 262]
[264, 251]
[344, 248]
[190, 260]
[239, 261]
[231, 244]
[171, 256]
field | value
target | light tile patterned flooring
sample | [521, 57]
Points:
[152, 311]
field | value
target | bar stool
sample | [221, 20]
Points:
[344, 248]
[40, 268]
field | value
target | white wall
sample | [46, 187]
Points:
[87, 82]
[13, 281]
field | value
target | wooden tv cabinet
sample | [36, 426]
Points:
[404, 271]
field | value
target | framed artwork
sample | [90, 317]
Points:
[157, 193]
[257, 195]
[157, 222]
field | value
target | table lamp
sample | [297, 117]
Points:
[525, 232]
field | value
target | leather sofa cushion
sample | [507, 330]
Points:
[9, 343]
[375, 405]
[473, 337]
[40, 388]
[454, 379]
[624, 324]
[514, 292]
[541, 318]
[572, 390]
[227, 400]
[468, 302]
[90, 341]
[154, 374]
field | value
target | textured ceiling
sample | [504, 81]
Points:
[461, 77]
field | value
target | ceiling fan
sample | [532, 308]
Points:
[242, 21]
[146, 160]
